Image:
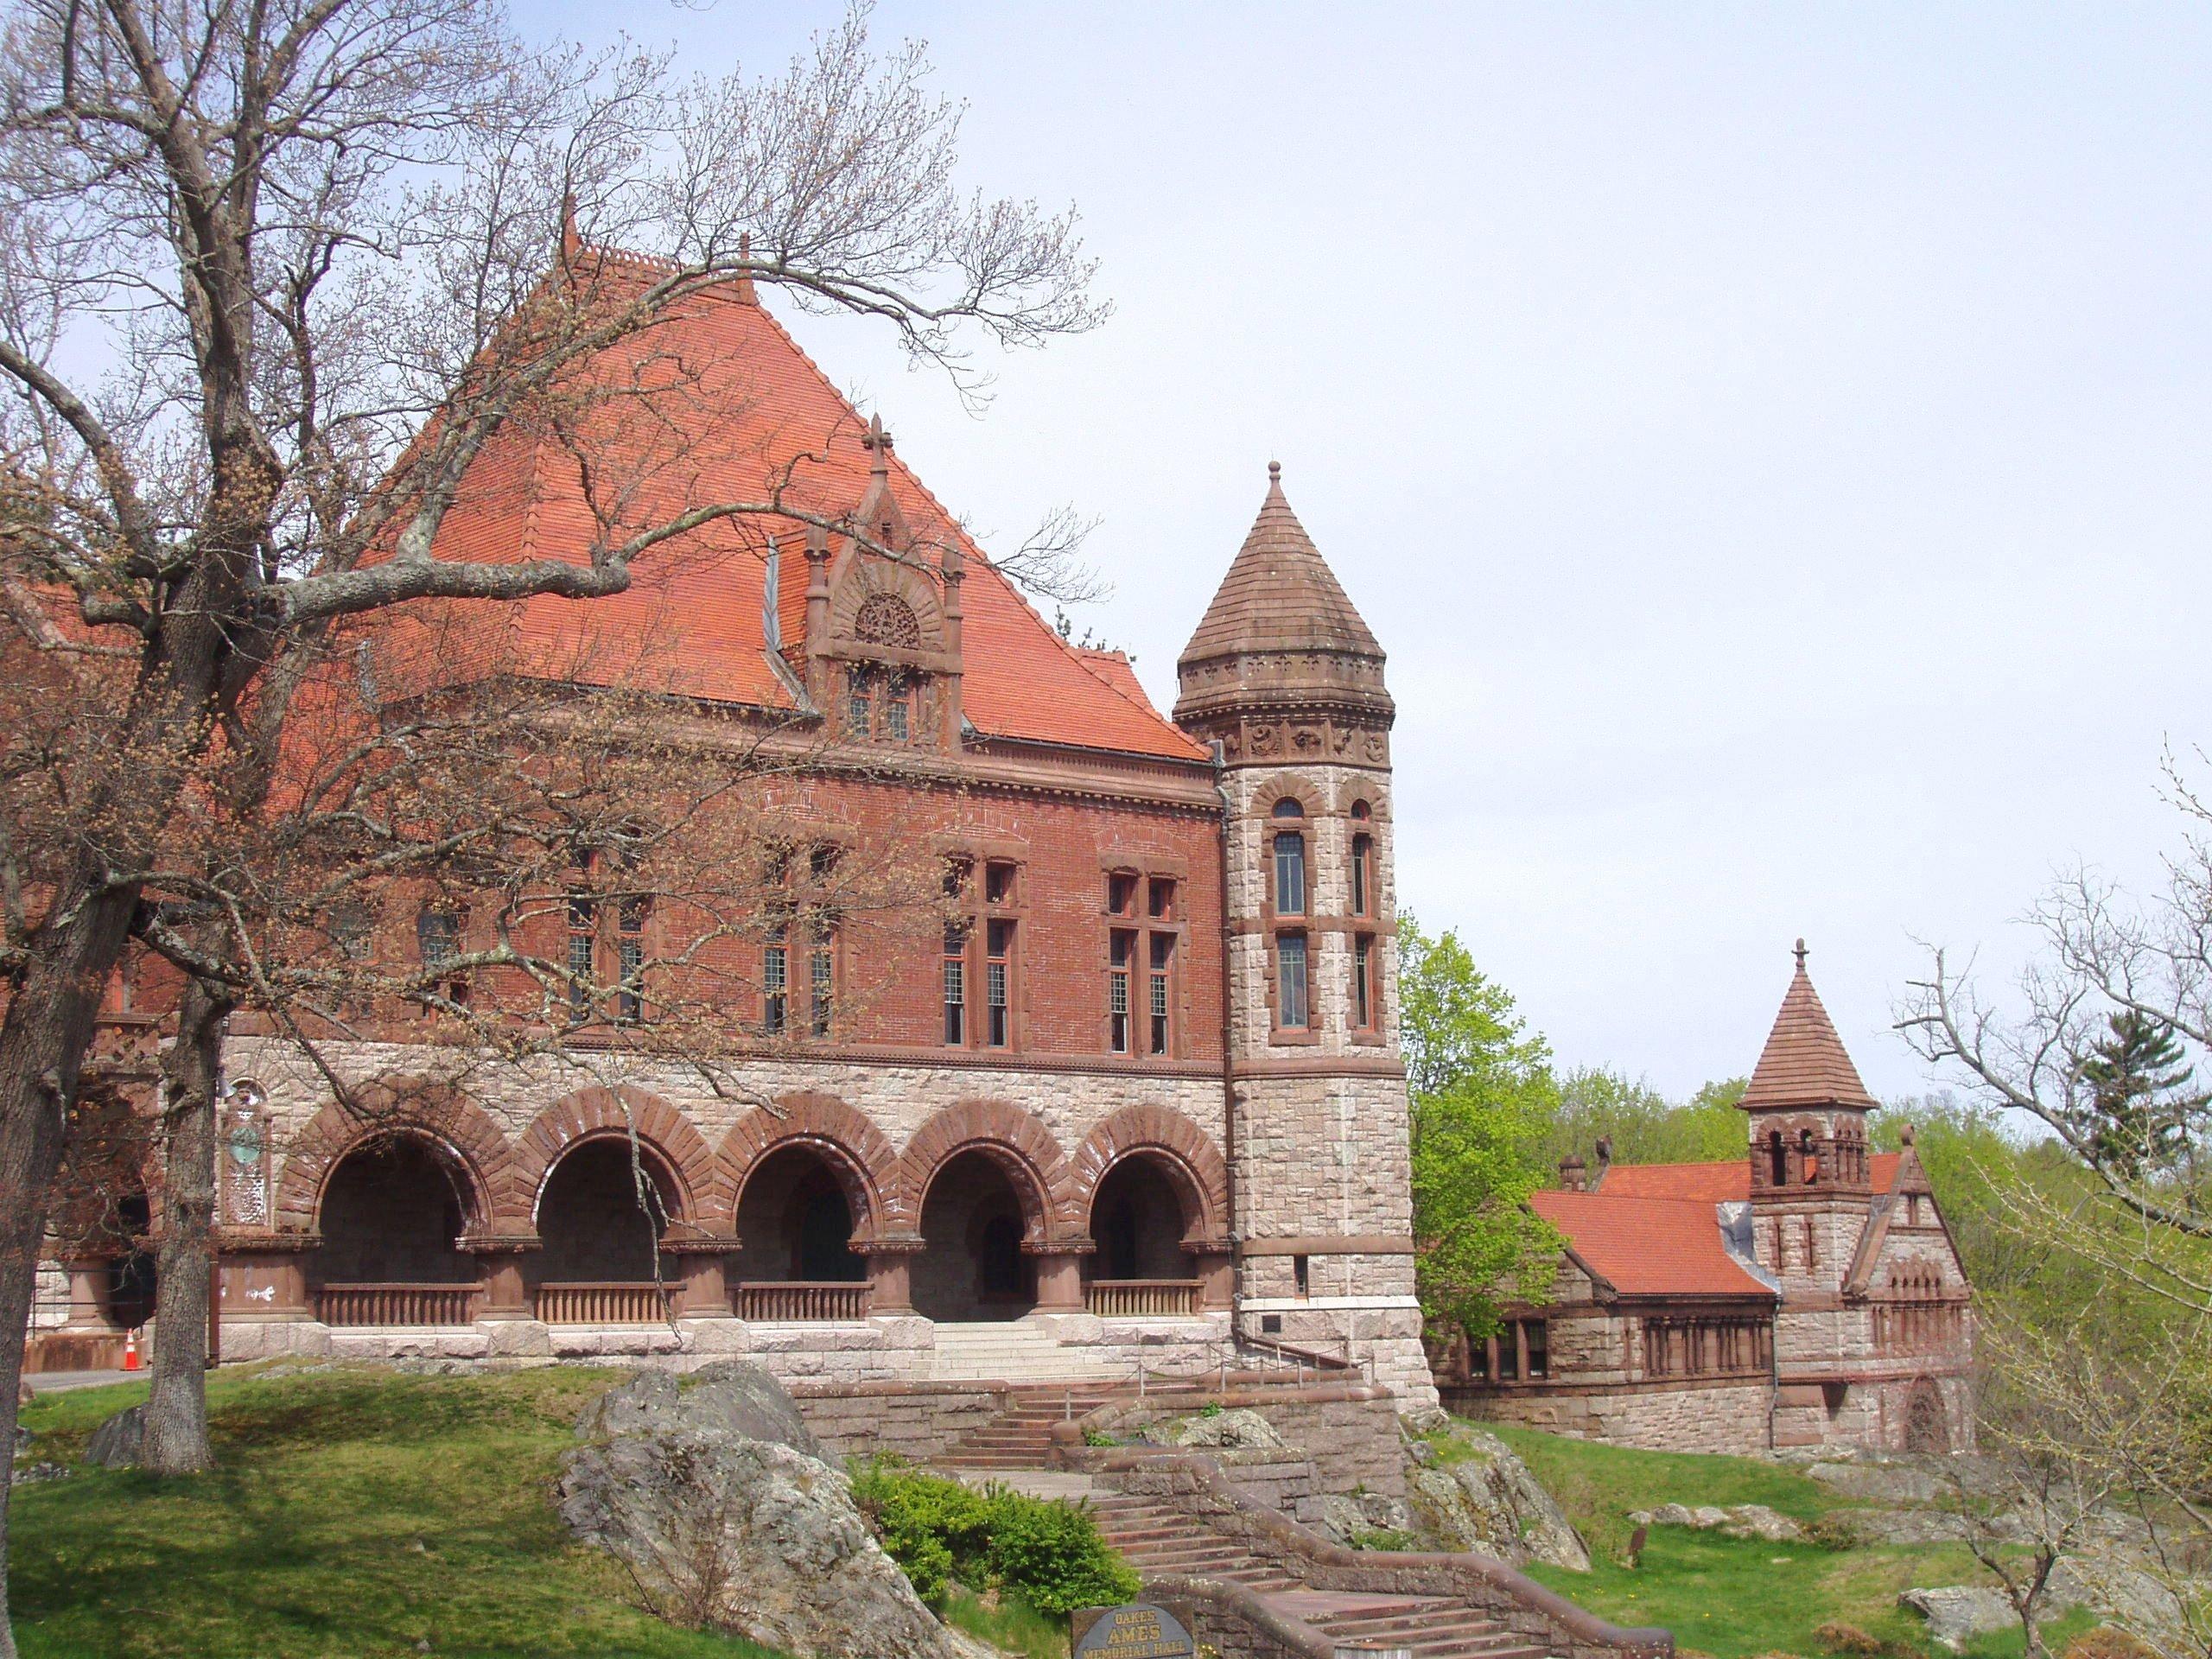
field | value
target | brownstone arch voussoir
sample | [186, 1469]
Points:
[420, 1108]
[701, 1195]
[1014, 1140]
[1192, 1162]
[862, 1158]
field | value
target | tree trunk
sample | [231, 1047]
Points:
[48, 1027]
[176, 1412]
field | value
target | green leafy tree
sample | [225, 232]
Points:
[1484, 1101]
[1641, 1125]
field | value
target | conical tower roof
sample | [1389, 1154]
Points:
[1280, 593]
[1280, 630]
[1804, 1063]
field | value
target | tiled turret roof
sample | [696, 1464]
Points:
[1804, 1063]
[1280, 593]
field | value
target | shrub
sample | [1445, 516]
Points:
[1048, 1552]
[2107, 1643]
[1390, 1538]
[1848, 1638]
[1098, 1437]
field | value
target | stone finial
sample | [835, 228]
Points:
[1800, 953]
[1571, 1172]
[878, 442]
[1906, 1137]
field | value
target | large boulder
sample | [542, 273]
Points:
[1884, 1483]
[729, 1394]
[1736, 1520]
[1487, 1501]
[1956, 1612]
[120, 1442]
[741, 1530]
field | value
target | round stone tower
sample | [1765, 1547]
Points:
[1285, 677]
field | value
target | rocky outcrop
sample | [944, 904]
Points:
[1488, 1502]
[1882, 1483]
[1956, 1612]
[701, 1485]
[1237, 1430]
[1735, 1521]
[120, 1441]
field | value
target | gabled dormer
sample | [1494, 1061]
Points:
[883, 617]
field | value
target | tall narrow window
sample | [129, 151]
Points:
[1159, 899]
[1362, 875]
[857, 702]
[1540, 1352]
[1121, 895]
[894, 708]
[1290, 982]
[1363, 983]
[1124, 948]
[998, 883]
[956, 984]
[581, 932]
[437, 937]
[775, 983]
[1290, 873]
[630, 971]
[1158, 1001]
[1301, 1276]
[998, 965]
[821, 976]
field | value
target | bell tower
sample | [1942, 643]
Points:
[1284, 679]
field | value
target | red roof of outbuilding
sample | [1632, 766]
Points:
[1648, 1246]
[746, 412]
[1727, 1181]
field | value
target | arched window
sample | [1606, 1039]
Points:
[1362, 875]
[1777, 1159]
[1288, 808]
[1809, 1158]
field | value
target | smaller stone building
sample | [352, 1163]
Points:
[1808, 1295]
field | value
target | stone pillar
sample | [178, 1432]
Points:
[499, 1265]
[1059, 1279]
[88, 1292]
[1216, 1280]
[262, 1276]
[890, 1274]
[705, 1286]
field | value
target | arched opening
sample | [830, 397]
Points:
[391, 1211]
[972, 1266]
[796, 1223]
[130, 1280]
[1926, 1428]
[600, 1216]
[1777, 1159]
[1139, 1218]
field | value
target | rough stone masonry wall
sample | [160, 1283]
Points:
[1714, 1417]
[914, 1421]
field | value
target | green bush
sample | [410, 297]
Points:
[1048, 1552]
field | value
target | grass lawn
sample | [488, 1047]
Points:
[356, 1513]
[1736, 1598]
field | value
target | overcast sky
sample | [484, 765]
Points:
[1771, 442]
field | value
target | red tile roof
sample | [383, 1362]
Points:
[1648, 1246]
[742, 405]
[1804, 1063]
[1725, 1182]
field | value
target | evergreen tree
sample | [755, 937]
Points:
[2140, 1111]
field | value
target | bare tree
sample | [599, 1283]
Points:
[2116, 1392]
[272, 278]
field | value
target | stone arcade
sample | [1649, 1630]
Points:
[1151, 1090]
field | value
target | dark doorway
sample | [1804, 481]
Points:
[796, 1223]
[1927, 1426]
[595, 1224]
[972, 1266]
[1138, 1222]
[130, 1275]
[391, 1214]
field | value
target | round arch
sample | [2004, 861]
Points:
[1192, 1163]
[454, 1127]
[854, 1150]
[698, 1184]
[1021, 1146]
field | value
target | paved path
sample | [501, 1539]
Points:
[60, 1382]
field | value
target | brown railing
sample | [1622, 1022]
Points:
[797, 1299]
[626, 1304]
[395, 1303]
[1144, 1299]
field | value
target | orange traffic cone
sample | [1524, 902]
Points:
[130, 1349]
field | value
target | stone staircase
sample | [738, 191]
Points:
[1013, 1351]
[1161, 1542]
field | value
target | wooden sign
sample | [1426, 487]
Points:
[1142, 1629]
